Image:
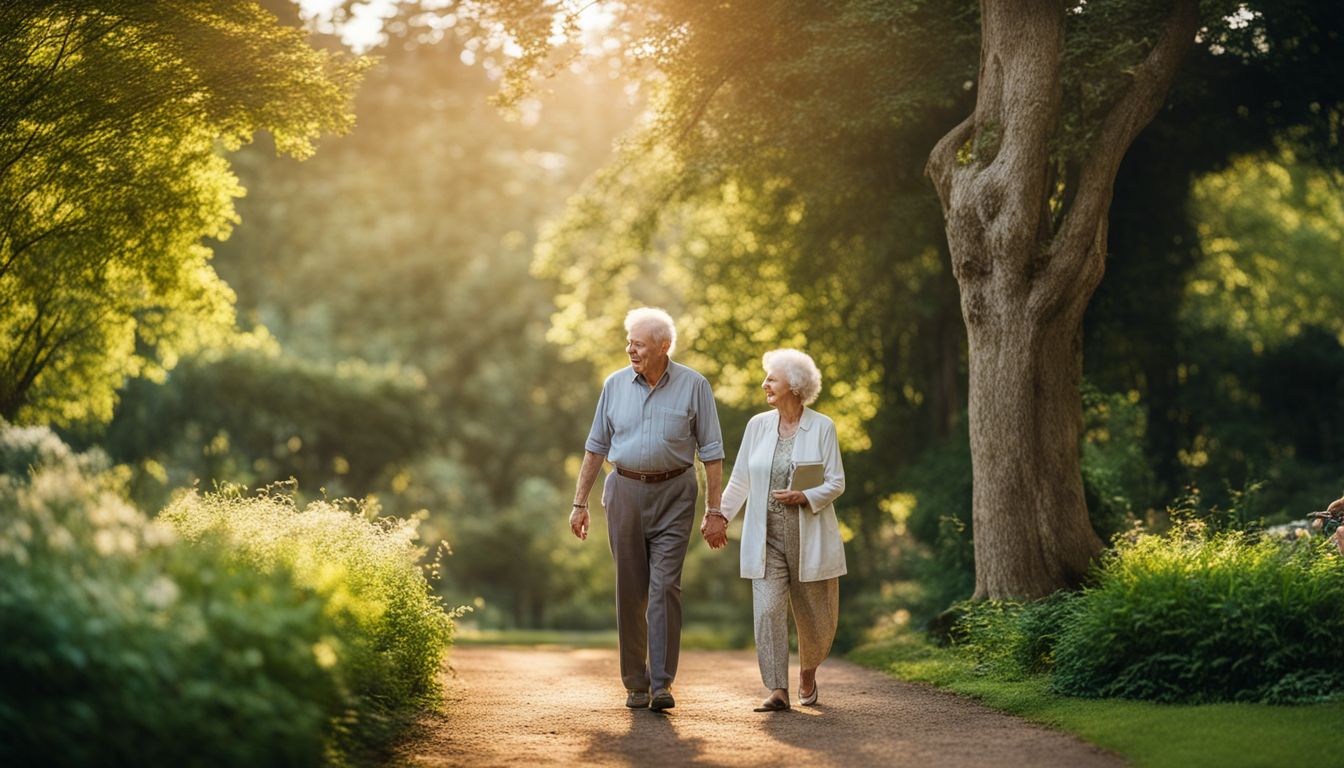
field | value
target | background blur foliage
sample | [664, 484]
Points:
[421, 312]
[245, 629]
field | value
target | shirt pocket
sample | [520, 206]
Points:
[675, 424]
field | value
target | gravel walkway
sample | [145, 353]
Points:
[562, 706]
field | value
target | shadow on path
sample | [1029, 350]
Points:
[554, 706]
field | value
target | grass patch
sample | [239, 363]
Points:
[1147, 734]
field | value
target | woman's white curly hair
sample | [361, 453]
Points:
[798, 369]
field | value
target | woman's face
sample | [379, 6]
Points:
[777, 390]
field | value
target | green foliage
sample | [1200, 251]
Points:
[771, 205]
[128, 642]
[1187, 616]
[110, 177]
[122, 646]
[940, 481]
[988, 633]
[1118, 480]
[255, 416]
[1010, 640]
[1271, 419]
[1144, 733]
[1268, 226]
[1223, 617]
[392, 632]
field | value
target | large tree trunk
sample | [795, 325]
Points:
[1030, 522]
[1027, 259]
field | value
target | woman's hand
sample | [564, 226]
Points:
[715, 530]
[793, 498]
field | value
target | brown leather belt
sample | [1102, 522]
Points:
[649, 477]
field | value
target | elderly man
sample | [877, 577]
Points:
[651, 419]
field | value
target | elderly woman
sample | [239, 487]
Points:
[791, 546]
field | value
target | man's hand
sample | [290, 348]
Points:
[578, 522]
[793, 498]
[715, 530]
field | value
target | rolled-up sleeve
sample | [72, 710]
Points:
[708, 435]
[599, 436]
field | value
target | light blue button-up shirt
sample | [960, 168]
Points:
[658, 429]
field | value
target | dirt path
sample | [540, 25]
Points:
[556, 706]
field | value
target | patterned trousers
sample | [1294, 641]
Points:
[816, 604]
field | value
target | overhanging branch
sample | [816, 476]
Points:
[1130, 115]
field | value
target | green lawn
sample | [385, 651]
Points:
[1147, 734]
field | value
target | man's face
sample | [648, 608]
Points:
[643, 348]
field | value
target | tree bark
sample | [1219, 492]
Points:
[1025, 283]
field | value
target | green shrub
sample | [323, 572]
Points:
[123, 647]
[987, 632]
[231, 631]
[1041, 623]
[392, 632]
[1194, 617]
[1008, 639]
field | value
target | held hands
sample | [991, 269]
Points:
[792, 498]
[578, 522]
[715, 530]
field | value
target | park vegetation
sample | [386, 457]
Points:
[231, 629]
[235, 254]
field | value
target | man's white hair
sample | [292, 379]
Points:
[798, 369]
[661, 322]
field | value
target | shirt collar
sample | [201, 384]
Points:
[635, 378]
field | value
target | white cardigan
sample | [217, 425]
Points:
[821, 551]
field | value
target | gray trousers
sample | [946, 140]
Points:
[649, 526]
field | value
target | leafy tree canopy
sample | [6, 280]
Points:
[111, 120]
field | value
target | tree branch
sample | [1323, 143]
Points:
[942, 162]
[1130, 115]
[703, 106]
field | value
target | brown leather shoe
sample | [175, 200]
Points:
[662, 699]
[637, 699]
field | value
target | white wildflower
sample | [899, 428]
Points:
[105, 541]
[161, 593]
[60, 539]
[325, 654]
[159, 535]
